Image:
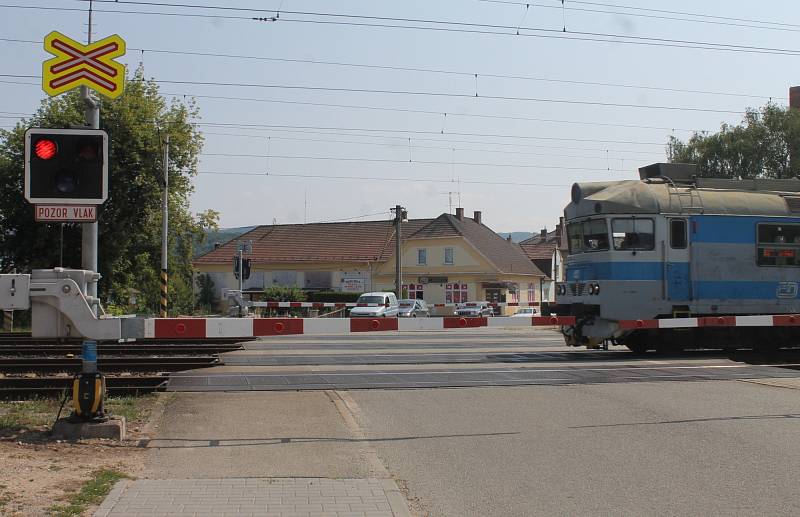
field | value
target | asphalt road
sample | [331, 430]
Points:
[458, 358]
[550, 430]
[661, 448]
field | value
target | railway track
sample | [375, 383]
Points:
[52, 385]
[107, 364]
[29, 366]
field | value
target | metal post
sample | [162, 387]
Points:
[165, 230]
[241, 278]
[398, 267]
[89, 230]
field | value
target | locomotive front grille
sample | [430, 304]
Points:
[577, 288]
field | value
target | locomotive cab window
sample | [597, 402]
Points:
[778, 245]
[633, 234]
[677, 234]
[589, 235]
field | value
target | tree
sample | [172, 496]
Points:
[206, 297]
[129, 222]
[759, 147]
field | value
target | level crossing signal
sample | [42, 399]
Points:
[245, 268]
[66, 166]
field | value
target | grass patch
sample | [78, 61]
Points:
[19, 415]
[133, 408]
[91, 493]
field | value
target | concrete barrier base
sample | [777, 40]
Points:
[113, 429]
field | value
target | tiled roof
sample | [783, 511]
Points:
[538, 250]
[366, 241]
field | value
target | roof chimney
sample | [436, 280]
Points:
[217, 245]
[476, 216]
[794, 97]
[460, 213]
[544, 233]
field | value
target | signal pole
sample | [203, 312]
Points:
[89, 230]
[399, 211]
[165, 230]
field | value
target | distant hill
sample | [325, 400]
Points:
[222, 236]
[516, 236]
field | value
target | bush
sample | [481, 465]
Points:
[333, 297]
[284, 294]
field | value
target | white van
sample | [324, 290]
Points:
[383, 305]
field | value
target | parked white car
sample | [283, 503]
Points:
[525, 312]
[383, 305]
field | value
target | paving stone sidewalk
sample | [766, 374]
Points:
[263, 497]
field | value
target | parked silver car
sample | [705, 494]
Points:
[413, 309]
[474, 309]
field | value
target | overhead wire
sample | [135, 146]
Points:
[417, 93]
[432, 25]
[375, 178]
[713, 21]
[414, 161]
[430, 70]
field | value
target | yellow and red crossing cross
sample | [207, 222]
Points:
[89, 65]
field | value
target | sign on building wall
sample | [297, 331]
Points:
[353, 285]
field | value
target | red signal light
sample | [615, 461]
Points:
[45, 149]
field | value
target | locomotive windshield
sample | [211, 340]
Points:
[633, 234]
[589, 235]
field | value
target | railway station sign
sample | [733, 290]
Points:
[65, 213]
[89, 65]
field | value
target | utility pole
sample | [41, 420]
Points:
[399, 213]
[89, 230]
[165, 230]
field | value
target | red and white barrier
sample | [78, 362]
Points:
[761, 320]
[200, 328]
[321, 305]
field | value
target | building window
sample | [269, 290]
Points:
[778, 245]
[422, 256]
[513, 294]
[448, 255]
[455, 293]
[531, 292]
[413, 291]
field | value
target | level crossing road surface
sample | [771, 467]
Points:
[498, 422]
[458, 358]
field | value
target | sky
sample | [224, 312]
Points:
[330, 111]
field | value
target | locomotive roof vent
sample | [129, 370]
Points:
[677, 172]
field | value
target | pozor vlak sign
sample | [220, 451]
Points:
[66, 168]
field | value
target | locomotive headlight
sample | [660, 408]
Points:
[596, 289]
[591, 288]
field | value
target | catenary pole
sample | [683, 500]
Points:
[398, 266]
[89, 230]
[165, 230]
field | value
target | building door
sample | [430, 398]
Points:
[676, 264]
[493, 295]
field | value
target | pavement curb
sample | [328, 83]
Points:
[397, 501]
[112, 498]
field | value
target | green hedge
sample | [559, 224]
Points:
[332, 297]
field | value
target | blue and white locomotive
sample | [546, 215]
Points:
[675, 245]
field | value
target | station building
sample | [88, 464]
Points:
[447, 259]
